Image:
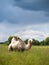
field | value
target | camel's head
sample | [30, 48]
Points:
[30, 41]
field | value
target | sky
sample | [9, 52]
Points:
[24, 18]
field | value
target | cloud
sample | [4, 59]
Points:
[30, 34]
[16, 14]
[19, 16]
[37, 31]
[2, 37]
[33, 4]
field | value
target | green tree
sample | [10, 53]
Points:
[10, 38]
[35, 42]
[47, 41]
[26, 41]
[42, 42]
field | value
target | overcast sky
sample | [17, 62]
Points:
[23, 16]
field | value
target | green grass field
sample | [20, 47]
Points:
[37, 55]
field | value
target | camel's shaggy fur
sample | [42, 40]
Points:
[19, 45]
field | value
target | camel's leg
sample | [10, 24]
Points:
[11, 48]
[21, 49]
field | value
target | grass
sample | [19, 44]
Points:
[37, 55]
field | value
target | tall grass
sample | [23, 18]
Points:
[37, 55]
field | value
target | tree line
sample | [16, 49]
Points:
[34, 41]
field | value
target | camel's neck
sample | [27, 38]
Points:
[28, 46]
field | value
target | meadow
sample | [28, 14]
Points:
[37, 55]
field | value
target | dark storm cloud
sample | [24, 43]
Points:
[33, 4]
[23, 12]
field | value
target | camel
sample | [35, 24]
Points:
[19, 45]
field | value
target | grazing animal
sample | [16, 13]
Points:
[19, 45]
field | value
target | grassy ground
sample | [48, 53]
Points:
[37, 55]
